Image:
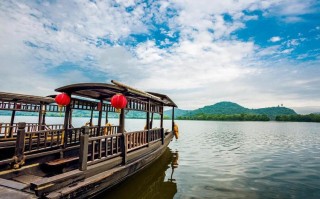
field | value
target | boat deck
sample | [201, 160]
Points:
[36, 180]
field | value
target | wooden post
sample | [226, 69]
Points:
[151, 121]
[121, 121]
[148, 123]
[124, 145]
[100, 118]
[106, 114]
[91, 115]
[70, 118]
[11, 123]
[83, 156]
[20, 145]
[161, 126]
[43, 110]
[66, 123]
[172, 118]
[40, 118]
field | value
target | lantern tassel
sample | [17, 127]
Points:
[118, 110]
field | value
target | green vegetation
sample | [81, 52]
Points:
[299, 118]
[226, 117]
[230, 108]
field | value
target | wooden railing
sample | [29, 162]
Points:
[136, 140]
[109, 130]
[93, 148]
[104, 147]
[52, 126]
[137, 105]
[19, 106]
[43, 140]
[74, 135]
[5, 129]
[97, 149]
[103, 130]
[155, 134]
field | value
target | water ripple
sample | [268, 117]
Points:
[248, 160]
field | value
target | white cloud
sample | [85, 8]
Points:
[275, 39]
[205, 64]
[291, 11]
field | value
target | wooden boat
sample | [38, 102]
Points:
[82, 162]
[12, 102]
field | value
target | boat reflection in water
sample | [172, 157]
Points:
[150, 182]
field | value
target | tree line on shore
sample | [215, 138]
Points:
[299, 118]
[252, 117]
[226, 117]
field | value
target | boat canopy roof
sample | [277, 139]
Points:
[22, 98]
[105, 91]
[165, 98]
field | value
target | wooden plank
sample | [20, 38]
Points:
[61, 161]
[92, 150]
[100, 149]
[56, 182]
[84, 149]
[12, 184]
[20, 145]
[7, 143]
[27, 178]
[7, 193]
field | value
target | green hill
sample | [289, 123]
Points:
[272, 112]
[222, 108]
[230, 108]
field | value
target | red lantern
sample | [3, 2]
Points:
[62, 99]
[119, 101]
[18, 106]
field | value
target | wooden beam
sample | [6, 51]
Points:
[20, 145]
[83, 156]
[136, 91]
[70, 118]
[148, 122]
[100, 117]
[44, 112]
[13, 114]
[107, 115]
[91, 116]
[40, 118]
[161, 126]
[124, 145]
[151, 121]
[172, 118]
[66, 123]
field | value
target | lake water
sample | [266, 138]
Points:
[232, 160]
[227, 160]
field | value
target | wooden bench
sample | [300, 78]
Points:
[62, 161]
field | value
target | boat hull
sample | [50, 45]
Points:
[95, 184]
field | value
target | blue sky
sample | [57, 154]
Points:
[257, 53]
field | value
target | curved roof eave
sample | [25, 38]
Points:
[22, 98]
